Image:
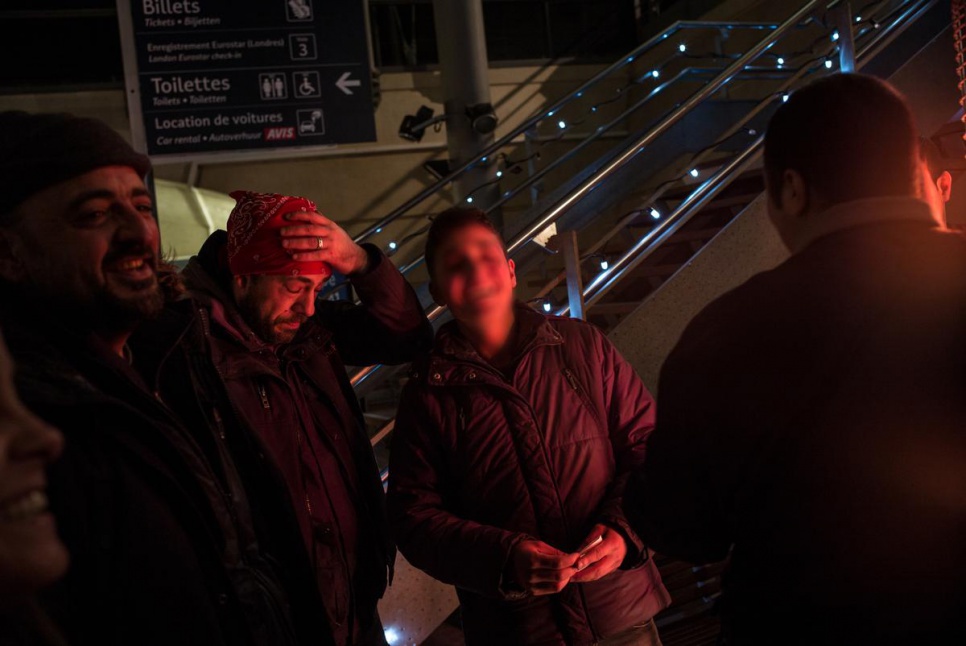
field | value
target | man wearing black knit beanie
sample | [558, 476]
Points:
[164, 549]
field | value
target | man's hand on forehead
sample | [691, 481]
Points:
[314, 237]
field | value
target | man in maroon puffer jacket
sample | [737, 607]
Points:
[512, 446]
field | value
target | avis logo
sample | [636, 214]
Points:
[279, 134]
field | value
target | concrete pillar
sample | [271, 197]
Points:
[462, 55]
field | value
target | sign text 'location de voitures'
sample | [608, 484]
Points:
[211, 76]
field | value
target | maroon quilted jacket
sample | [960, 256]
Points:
[480, 463]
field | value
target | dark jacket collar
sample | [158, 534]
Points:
[208, 282]
[453, 351]
[849, 216]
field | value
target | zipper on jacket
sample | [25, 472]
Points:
[571, 379]
[263, 395]
[219, 423]
[205, 326]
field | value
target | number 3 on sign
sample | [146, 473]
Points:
[301, 47]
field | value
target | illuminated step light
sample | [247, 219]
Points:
[392, 245]
[604, 265]
[682, 48]
[781, 61]
[858, 19]
[656, 73]
[392, 636]
[835, 35]
[693, 172]
[785, 98]
[546, 306]
[655, 213]
[828, 63]
[561, 124]
[499, 174]
[378, 229]
[469, 200]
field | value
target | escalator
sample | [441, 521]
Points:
[652, 163]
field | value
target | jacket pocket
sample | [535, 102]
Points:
[585, 399]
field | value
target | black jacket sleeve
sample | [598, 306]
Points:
[630, 416]
[678, 503]
[389, 326]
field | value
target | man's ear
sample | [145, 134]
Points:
[795, 199]
[513, 273]
[11, 250]
[945, 185]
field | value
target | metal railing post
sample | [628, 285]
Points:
[528, 137]
[567, 243]
[842, 19]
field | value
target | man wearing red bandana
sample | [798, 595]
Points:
[266, 365]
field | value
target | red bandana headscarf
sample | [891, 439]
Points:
[255, 240]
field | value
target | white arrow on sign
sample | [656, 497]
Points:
[344, 83]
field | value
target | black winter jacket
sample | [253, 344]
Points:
[219, 378]
[157, 554]
[814, 421]
[481, 461]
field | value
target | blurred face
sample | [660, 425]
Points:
[473, 277]
[31, 555]
[275, 307]
[90, 246]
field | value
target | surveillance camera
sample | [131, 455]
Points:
[413, 127]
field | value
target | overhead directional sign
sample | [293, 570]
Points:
[214, 76]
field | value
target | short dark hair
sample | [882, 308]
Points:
[929, 152]
[450, 220]
[850, 136]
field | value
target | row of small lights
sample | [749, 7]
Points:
[655, 214]
[694, 173]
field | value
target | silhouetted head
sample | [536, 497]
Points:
[842, 138]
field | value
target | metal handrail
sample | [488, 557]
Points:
[586, 141]
[890, 32]
[606, 280]
[560, 207]
[695, 161]
[546, 113]
[564, 204]
[603, 282]
[648, 243]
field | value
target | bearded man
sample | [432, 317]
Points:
[162, 549]
[261, 361]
